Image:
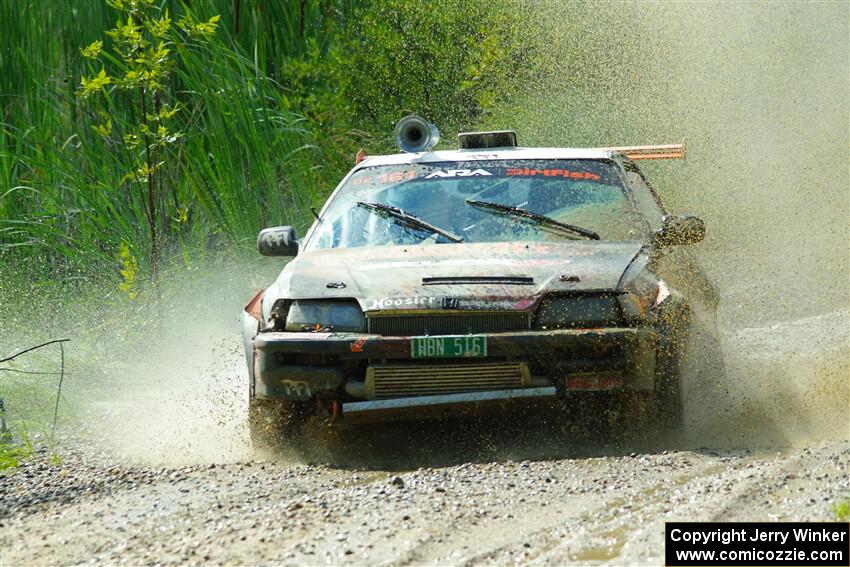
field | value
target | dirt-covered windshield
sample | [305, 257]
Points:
[449, 202]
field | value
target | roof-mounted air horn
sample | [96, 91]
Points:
[413, 134]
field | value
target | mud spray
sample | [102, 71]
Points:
[760, 91]
[167, 383]
[150, 382]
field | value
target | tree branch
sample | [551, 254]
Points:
[8, 358]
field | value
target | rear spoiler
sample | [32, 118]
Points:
[663, 151]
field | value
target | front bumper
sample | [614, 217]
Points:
[302, 366]
[436, 406]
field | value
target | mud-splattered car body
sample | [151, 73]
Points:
[381, 316]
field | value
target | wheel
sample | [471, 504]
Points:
[667, 406]
[705, 388]
[277, 424]
[668, 400]
[595, 416]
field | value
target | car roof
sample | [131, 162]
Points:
[488, 154]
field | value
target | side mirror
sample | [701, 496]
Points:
[680, 229]
[277, 241]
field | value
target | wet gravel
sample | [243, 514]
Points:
[604, 505]
[82, 470]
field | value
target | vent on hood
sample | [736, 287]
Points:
[452, 280]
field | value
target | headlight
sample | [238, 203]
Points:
[591, 310]
[643, 295]
[339, 316]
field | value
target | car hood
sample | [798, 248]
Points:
[505, 275]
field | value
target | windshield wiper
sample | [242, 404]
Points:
[408, 219]
[534, 217]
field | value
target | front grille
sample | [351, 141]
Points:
[399, 381]
[461, 323]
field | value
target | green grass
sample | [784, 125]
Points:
[275, 106]
[15, 442]
[29, 402]
[248, 159]
[12, 454]
[841, 510]
[16, 446]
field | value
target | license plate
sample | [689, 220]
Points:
[448, 347]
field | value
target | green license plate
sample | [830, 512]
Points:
[448, 347]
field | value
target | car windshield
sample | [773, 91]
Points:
[452, 202]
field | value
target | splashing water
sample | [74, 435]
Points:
[760, 92]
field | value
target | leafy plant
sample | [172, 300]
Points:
[448, 60]
[129, 270]
[142, 55]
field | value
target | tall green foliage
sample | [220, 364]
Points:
[66, 200]
[448, 60]
[143, 60]
[272, 107]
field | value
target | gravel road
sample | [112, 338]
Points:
[581, 506]
[504, 490]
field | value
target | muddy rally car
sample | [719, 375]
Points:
[439, 282]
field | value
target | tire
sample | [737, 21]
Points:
[669, 412]
[668, 406]
[596, 417]
[277, 424]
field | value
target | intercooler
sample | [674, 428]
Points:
[397, 380]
